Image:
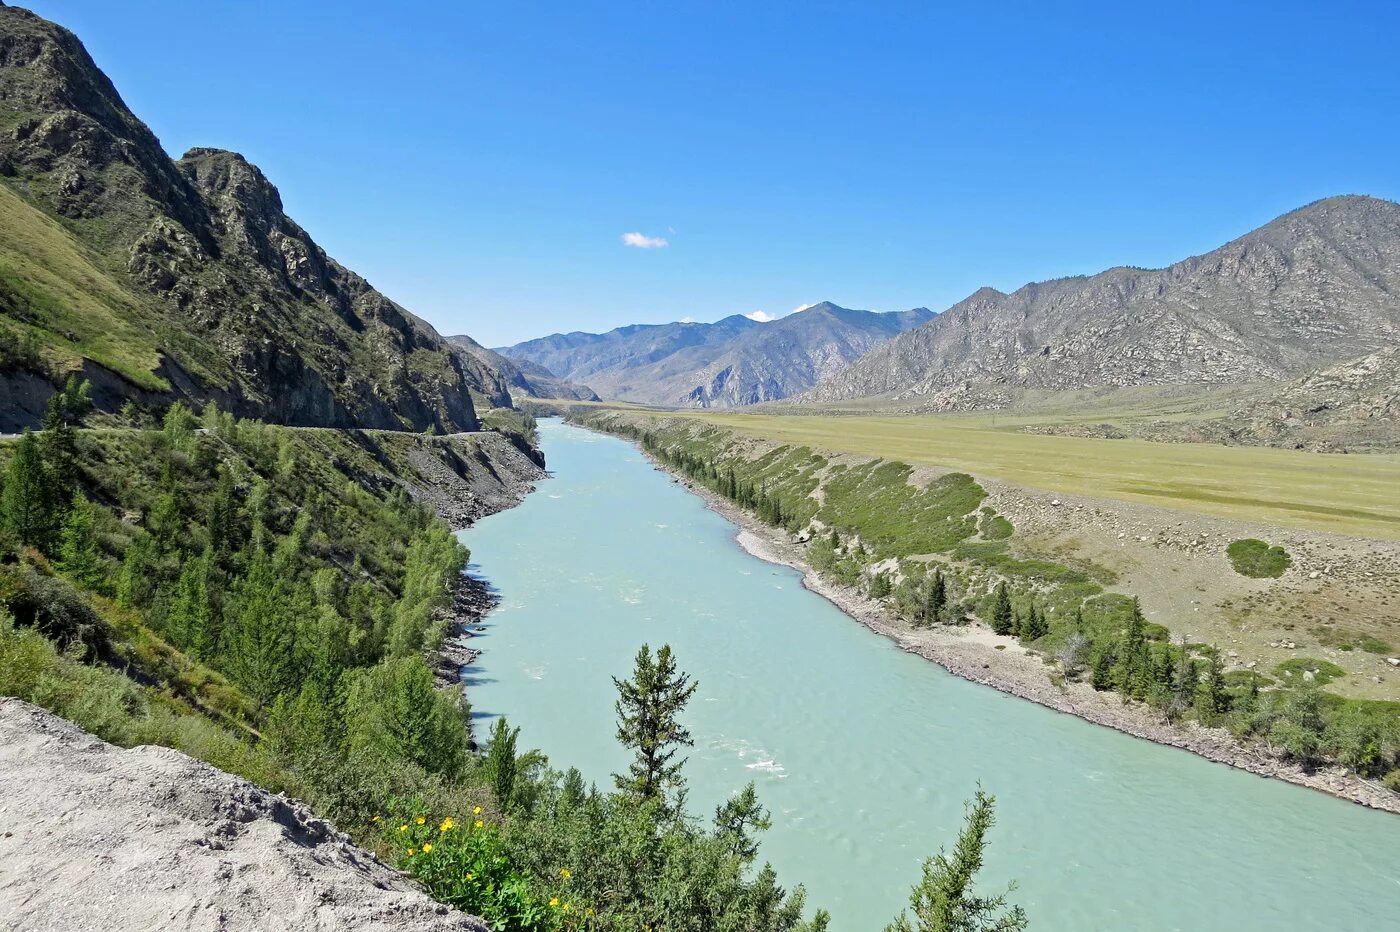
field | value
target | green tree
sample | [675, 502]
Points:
[1034, 626]
[648, 721]
[190, 618]
[738, 819]
[261, 651]
[394, 711]
[943, 901]
[78, 553]
[1003, 619]
[1212, 698]
[1101, 673]
[500, 763]
[1135, 660]
[25, 505]
[937, 598]
[136, 578]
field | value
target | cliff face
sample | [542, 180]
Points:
[186, 278]
[519, 376]
[148, 838]
[1312, 288]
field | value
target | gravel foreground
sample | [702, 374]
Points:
[94, 837]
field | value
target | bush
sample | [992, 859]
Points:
[1256, 559]
[1296, 670]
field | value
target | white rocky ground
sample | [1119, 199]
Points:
[94, 837]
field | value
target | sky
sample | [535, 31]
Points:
[515, 169]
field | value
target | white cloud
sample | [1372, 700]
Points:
[799, 310]
[641, 241]
[686, 320]
[762, 317]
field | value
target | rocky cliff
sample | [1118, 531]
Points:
[520, 376]
[731, 363]
[149, 839]
[1312, 288]
[160, 278]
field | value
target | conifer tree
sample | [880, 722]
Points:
[136, 578]
[262, 649]
[1134, 665]
[943, 900]
[78, 552]
[1212, 698]
[937, 598]
[190, 616]
[1003, 620]
[501, 761]
[24, 504]
[648, 721]
[1101, 674]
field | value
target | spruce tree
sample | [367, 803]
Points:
[190, 621]
[648, 721]
[262, 649]
[1003, 619]
[136, 578]
[1212, 698]
[937, 598]
[1101, 674]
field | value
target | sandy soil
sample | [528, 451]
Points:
[96, 837]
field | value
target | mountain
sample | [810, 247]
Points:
[1314, 287]
[519, 377]
[160, 279]
[735, 361]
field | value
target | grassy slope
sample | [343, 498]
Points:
[53, 288]
[1338, 493]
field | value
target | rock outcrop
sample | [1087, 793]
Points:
[147, 839]
[190, 279]
[520, 377]
[1310, 289]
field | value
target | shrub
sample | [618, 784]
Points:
[1296, 670]
[1256, 559]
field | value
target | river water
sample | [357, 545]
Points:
[865, 753]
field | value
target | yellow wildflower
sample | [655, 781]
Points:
[412, 852]
[375, 819]
[566, 907]
[566, 873]
[447, 824]
[420, 820]
[427, 846]
[476, 810]
[554, 901]
[404, 827]
[470, 876]
[588, 911]
[479, 823]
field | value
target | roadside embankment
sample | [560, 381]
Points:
[96, 837]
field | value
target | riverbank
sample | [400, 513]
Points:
[974, 653]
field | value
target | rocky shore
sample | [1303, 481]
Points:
[974, 653]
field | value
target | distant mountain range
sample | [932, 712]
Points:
[520, 377]
[735, 361]
[1313, 288]
[160, 279]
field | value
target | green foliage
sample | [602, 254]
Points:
[944, 901]
[1258, 560]
[1297, 670]
[648, 722]
[393, 712]
[27, 501]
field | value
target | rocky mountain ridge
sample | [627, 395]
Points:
[520, 376]
[161, 279]
[731, 363]
[1312, 288]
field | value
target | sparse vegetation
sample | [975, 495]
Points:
[1257, 560]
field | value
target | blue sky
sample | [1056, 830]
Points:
[481, 163]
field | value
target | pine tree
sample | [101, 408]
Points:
[1003, 619]
[136, 578]
[1212, 698]
[78, 552]
[1101, 674]
[1034, 626]
[262, 649]
[223, 518]
[648, 710]
[1134, 664]
[501, 761]
[738, 818]
[943, 901]
[190, 619]
[24, 505]
[937, 598]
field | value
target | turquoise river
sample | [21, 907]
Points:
[865, 753]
